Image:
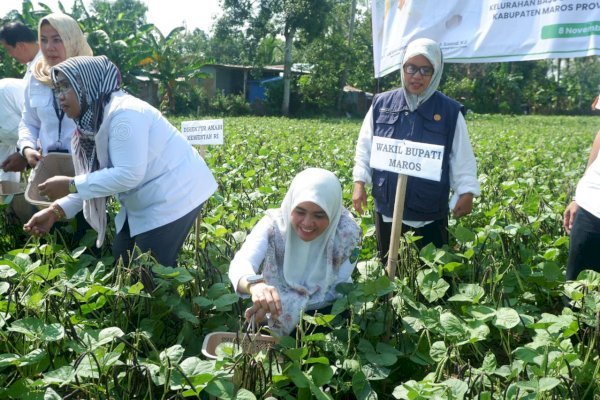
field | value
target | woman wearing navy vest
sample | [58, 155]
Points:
[419, 113]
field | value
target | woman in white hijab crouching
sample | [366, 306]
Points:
[296, 255]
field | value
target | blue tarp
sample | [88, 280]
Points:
[257, 89]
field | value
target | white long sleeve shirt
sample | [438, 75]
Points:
[11, 103]
[30, 65]
[40, 127]
[248, 259]
[588, 189]
[463, 167]
[157, 175]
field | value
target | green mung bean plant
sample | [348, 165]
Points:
[481, 318]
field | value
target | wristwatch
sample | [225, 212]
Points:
[72, 187]
[252, 280]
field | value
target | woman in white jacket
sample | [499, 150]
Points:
[44, 128]
[124, 147]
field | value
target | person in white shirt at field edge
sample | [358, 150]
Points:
[11, 102]
[419, 113]
[124, 147]
[582, 219]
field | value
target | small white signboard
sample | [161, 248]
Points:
[204, 132]
[422, 160]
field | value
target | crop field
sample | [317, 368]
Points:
[480, 319]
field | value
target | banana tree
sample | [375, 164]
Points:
[169, 65]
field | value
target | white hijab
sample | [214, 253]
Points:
[305, 264]
[430, 50]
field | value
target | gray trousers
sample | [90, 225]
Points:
[163, 242]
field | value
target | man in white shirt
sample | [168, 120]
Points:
[20, 42]
[11, 102]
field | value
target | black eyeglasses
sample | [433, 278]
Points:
[62, 87]
[412, 69]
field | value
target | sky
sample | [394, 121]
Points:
[165, 14]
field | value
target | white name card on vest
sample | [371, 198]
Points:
[422, 160]
[205, 132]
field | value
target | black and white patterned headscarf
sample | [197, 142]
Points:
[94, 80]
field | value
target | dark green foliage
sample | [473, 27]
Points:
[482, 317]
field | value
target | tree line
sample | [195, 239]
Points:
[332, 37]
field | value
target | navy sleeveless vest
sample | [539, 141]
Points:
[433, 122]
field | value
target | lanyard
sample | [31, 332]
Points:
[60, 115]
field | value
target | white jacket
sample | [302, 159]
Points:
[157, 176]
[11, 102]
[40, 125]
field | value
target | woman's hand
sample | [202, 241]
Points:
[55, 187]
[569, 216]
[32, 156]
[265, 299]
[14, 163]
[42, 221]
[359, 197]
[464, 205]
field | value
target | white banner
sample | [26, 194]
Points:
[409, 158]
[486, 30]
[206, 132]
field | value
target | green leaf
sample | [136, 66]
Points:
[547, 383]
[361, 387]
[352, 366]
[375, 372]
[33, 357]
[384, 359]
[221, 389]
[179, 274]
[6, 271]
[482, 313]
[78, 252]
[93, 339]
[136, 288]
[296, 354]
[35, 329]
[526, 354]
[297, 376]
[452, 325]
[50, 394]
[317, 360]
[457, 387]
[220, 231]
[8, 359]
[63, 375]
[203, 302]
[506, 318]
[432, 286]
[321, 374]
[463, 235]
[173, 353]
[471, 293]
[438, 351]
[194, 366]
[489, 362]
[226, 300]
[244, 394]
